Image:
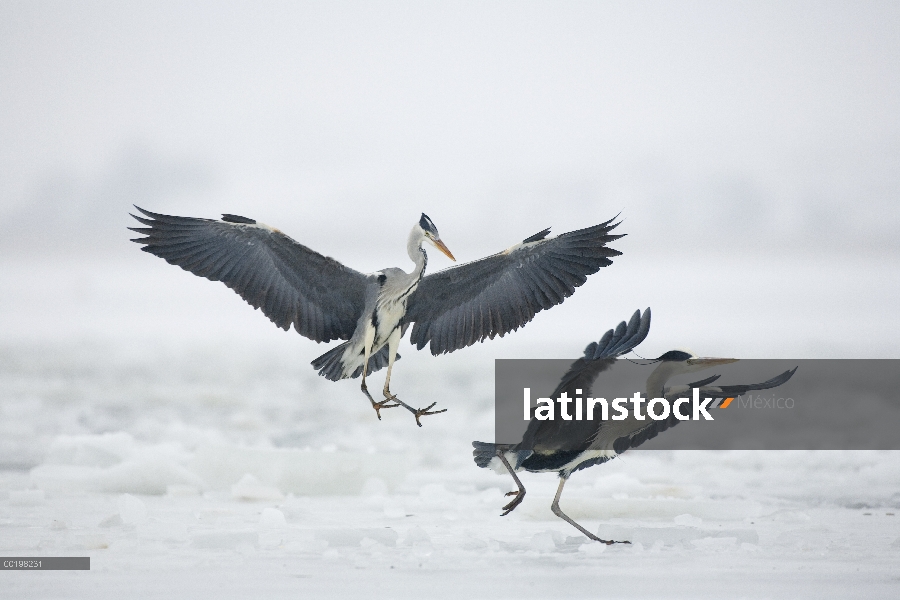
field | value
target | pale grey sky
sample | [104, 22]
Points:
[780, 118]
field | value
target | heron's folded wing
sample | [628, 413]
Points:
[287, 281]
[576, 436]
[457, 307]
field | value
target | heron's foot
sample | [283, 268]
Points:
[607, 542]
[383, 404]
[378, 405]
[519, 496]
[423, 412]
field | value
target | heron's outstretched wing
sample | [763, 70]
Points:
[287, 281]
[600, 356]
[559, 441]
[457, 307]
[706, 391]
[730, 391]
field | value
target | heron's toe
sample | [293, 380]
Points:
[383, 404]
[423, 412]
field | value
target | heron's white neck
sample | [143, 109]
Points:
[416, 251]
[656, 383]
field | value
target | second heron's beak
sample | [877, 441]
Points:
[443, 248]
[706, 361]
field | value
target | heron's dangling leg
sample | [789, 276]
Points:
[559, 513]
[393, 344]
[519, 494]
[370, 336]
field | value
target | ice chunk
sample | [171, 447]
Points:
[546, 541]
[354, 537]
[416, 535]
[250, 488]
[132, 510]
[301, 472]
[394, 509]
[272, 518]
[113, 463]
[688, 520]
[111, 521]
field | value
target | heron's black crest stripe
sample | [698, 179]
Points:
[537, 237]
[238, 219]
[676, 355]
[381, 279]
[426, 224]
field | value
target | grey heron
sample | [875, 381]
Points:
[567, 446]
[325, 300]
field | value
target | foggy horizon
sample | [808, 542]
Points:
[759, 119]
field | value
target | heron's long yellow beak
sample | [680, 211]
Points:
[443, 248]
[711, 362]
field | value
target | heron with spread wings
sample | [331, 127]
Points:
[325, 300]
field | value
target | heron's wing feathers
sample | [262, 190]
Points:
[600, 356]
[457, 307]
[633, 440]
[706, 391]
[702, 382]
[730, 391]
[558, 435]
[290, 283]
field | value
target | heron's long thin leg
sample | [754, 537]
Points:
[520, 494]
[376, 405]
[559, 513]
[393, 344]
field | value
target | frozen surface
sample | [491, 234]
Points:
[186, 446]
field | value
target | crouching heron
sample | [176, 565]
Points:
[565, 446]
[325, 301]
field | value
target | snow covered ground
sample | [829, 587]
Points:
[153, 422]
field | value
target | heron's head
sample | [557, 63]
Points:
[430, 233]
[684, 361]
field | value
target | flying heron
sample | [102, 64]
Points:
[566, 446]
[325, 300]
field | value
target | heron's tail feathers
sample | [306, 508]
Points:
[484, 453]
[331, 364]
[487, 456]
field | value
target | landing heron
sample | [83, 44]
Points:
[565, 446]
[325, 300]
